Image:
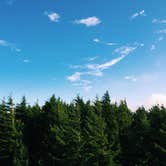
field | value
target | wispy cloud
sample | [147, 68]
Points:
[157, 21]
[137, 14]
[111, 44]
[160, 38]
[53, 16]
[125, 50]
[91, 58]
[97, 73]
[90, 21]
[110, 63]
[144, 78]
[76, 66]
[26, 61]
[75, 77]
[78, 82]
[97, 69]
[130, 78]
[12, 46]
[97, 40]
[84, 84]
[162, 31]
[3, 43]
[153, 47]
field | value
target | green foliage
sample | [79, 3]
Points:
[81, 133]
[12, 148]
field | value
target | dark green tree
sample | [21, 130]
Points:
[109, 112]
[157, 136]
[12, 148]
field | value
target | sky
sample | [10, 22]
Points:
[82, 47]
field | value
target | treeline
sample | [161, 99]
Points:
[99, 133]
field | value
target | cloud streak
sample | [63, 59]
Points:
[123, 51]
[4, 43]
[75, 77]
[162, 31]
[137, 14]
[97, 40]
[89, 22]
[26, 61]
[156, 21]
[130, 78]
[97, 70]
[84, 84]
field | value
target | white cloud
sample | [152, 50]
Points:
[83, 84]
[91, 66]
[131, 78]
[3, 43]
[153, 47]
[87, 88]
[97, 73]
[76, 66]
[154, 21]
[137, 14]
[17, 49]
[111, 44]
[54, 17]
[125, 50]
[163, 31]
[75, 77]
[97, 69]
[160, 38]
[159, 21]
[92, 58]
[96, 40]
[110, 63]
[140, 44]
[90, 21]
[12, 46]
[26, 60]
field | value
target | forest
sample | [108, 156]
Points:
[81, 133]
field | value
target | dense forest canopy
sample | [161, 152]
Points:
[98, 133]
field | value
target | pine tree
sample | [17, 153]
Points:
[94, 149]
[124, 118]
[157, 136]
[137, 152]
[109, 112]
[12, 149]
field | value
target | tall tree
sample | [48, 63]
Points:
[157, 136]
[12, 148]
[109, 112]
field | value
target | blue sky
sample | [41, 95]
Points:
[83, 47]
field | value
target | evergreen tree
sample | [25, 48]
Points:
[12, 148]
[157, 136]
[81, 133]
[137, 152]
[109, 114]
[95, 144]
